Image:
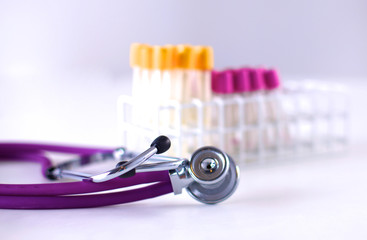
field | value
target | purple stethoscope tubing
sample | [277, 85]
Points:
[81, 194]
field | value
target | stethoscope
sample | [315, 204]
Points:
[210, 176]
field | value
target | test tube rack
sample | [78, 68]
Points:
[311, 119]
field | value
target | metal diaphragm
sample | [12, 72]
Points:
[216, 175]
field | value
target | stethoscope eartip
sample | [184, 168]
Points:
[162, 143]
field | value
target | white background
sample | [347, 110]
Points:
[63, 64]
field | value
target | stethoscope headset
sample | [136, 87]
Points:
[210, 176]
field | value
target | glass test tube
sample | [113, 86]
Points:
[223, 88]
[275, 131]
[254, 113]
[202, 90]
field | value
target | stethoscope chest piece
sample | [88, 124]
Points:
[215, 175]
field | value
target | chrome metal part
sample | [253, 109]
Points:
[218, 165]
[180, 177]
[218, 191]
[160, 163]
[118, 154]
[126, 167]
[209, 177]
[72, 174]
[159, 145]
[155, 163]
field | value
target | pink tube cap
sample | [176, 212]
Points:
[214, 80]
[257, 81]
[271, 79]
[222, 82]
[241, 80]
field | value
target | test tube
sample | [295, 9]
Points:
[273, 111]
[155, 83]
[223, 88]
[140, 61]
[204, 62]
[146, 107]
[135, 63]
[242, 88]
[254, 112]
[162, 80]
[184, 80]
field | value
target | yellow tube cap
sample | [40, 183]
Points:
[184, 56]
[135, 57]
[204, 58]
[146, 57]
[163, 57]
[171, 56]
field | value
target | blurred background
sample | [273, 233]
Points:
[64, 63]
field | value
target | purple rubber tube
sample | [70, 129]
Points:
[28, 157]
[57, 195]
[81, 187]
[32, 152]
[86, 201]
[33, 147]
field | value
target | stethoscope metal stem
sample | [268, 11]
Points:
[152, 164]
[125, 167]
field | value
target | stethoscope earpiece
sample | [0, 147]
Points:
[161, 143]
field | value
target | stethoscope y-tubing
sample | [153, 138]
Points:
[87, 201]
[67, 195]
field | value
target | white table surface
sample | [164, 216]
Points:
[319, 198]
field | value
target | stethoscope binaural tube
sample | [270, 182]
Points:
[163, 174]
